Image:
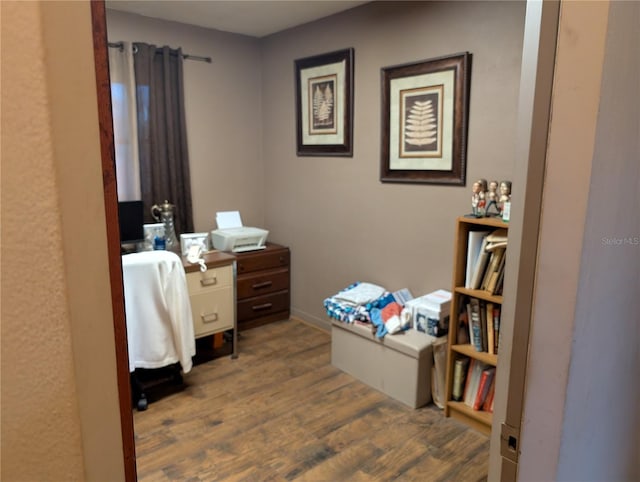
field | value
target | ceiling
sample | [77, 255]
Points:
[248, 17]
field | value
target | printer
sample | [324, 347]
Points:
[232, 236]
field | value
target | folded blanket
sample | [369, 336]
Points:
[360, 294]
[349, 312]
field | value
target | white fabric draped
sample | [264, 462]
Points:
[125, 128]
[159, 319]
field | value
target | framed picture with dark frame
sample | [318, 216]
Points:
[424, 121]
[324, 104]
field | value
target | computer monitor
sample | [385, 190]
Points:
[131, 220]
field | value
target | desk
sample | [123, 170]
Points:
[212, 295]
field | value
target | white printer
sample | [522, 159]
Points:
[231, 235]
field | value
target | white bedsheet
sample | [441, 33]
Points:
[159, 321]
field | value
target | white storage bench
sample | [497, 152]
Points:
[397, 365]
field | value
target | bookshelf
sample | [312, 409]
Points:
[461, 334]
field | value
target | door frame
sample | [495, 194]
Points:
[534, 112]
[538, 60]
[107, 154]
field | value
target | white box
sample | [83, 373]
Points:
[430, 313]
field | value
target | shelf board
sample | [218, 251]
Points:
[480, 294]
[476, 418]
[471, 352]
[493, 222]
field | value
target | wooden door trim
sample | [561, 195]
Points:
[536, 85]
[107, 152]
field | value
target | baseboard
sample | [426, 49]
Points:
[324, 327]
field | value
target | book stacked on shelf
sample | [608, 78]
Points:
[483, 324]
[474, 383]
[486, 254]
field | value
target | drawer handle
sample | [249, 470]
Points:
[264, 284]
[264, 306]
[208, 281]
[209, 317]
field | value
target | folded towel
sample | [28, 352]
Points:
[360, 294]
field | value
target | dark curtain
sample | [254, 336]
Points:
[162, 133]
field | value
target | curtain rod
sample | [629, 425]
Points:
[120, 46]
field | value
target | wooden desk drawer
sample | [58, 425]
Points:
[262, 283]
[212, 311]
[260, 306]
[261, 260]
[213, 278]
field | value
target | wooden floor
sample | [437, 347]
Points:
[280, 411]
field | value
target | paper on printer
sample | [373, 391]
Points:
[231, 235]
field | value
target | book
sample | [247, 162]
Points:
[490, 328]
[476, 323]
[466, 395]
[497, 238]
[486, 377]
[473, 382]
[459, 376]
[472, 339]
[480, 265]
[474, 243]
[496, 328]
[500, 278]
[494, 269]
[463, 326]
[482, 308]
[487, 406]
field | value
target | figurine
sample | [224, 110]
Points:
[505, 191]
[505, 194]
[482, 197]
[475, 197]
[492, 199]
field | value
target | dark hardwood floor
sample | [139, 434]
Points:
[280, 412]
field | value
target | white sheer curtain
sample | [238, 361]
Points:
[125, 128]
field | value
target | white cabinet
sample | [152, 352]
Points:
[212, 295]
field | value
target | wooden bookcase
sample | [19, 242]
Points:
[480, 420]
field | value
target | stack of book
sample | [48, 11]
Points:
[486, 254]
[474, 383]
[484, 325]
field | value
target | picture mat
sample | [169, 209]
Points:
[443, 163]
[338, 69]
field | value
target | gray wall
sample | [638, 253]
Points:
[223, 102]
[344, 225]
[341, 223]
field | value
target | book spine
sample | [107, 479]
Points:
[472, 389]
[490, 329]
[486, 378]
[466, 394]
[496, 328]
[459, 375]
[487, 406]
[476, 324]
[483, 325]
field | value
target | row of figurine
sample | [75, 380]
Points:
[488, 198]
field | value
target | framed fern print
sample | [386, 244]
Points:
[424, 121]
[324, 104]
